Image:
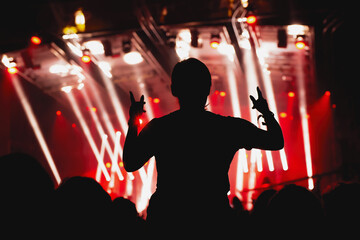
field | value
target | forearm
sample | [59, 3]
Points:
[274, 131]
[130, 146]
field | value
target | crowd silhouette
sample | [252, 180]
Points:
[32, 207]
[191, 199]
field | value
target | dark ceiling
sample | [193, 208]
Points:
[51, 16]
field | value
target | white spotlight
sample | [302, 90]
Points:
[133, 58]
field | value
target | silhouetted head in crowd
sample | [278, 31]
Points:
[82, 208]
[22, 176]
[295, 204]
[261, 203]
[81, 194]
[191, 83]
[343, 202]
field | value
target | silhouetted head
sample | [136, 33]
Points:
[190, 83]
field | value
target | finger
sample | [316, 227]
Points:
[132, 98]
[259, 92]
[253, 101]
[142, 99]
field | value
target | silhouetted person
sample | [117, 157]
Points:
[295, 210]
[342, 209]
[193, 150]
[82, 209]
[26, 190]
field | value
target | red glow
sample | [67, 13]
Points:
[291, 94]
[35, 40]
[216, 92]
[73, 125]
[58, 112]
[300, 45]
[327, 93]
[86, 58]
[156, 100]
[251, 19]
[12, 70]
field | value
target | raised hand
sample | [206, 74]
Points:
[260, 104]
[136, 108]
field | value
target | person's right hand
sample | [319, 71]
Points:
[260, 104]
[136, 108]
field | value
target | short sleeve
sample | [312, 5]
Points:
[243, 133]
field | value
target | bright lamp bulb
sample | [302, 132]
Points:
[133, 58]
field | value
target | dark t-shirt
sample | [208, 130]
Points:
[193, 152]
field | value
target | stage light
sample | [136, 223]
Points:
[291, 94]
[215, 41]
[58, 112]
[297, 29]
[86, 59]
[133, 58]
[251, 19]
[300, 45]
[156, 100]
[300, 42]
[73, 125]
[95, 47]
[36, 128]
[66, 89]
[35, 40]
[108, 165]
[12, 70]
[222, 93]
[80, 20]
[86, 131]
[327, 93]
[80, 86]
[283, 114]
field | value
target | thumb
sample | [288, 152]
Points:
[253, 101]
[132, 99]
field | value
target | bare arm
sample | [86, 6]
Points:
[135, 153]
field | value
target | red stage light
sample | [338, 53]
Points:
[214, 44]
[251, 19]
[300, 45]
[73, 125]
[86, 58]
[156, 100]
[35, 40]
[58, 112]
[327, 93]
[291, 94]
[12, 70]
[108, 165]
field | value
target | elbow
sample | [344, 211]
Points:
[280, 144]
[128, 166]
